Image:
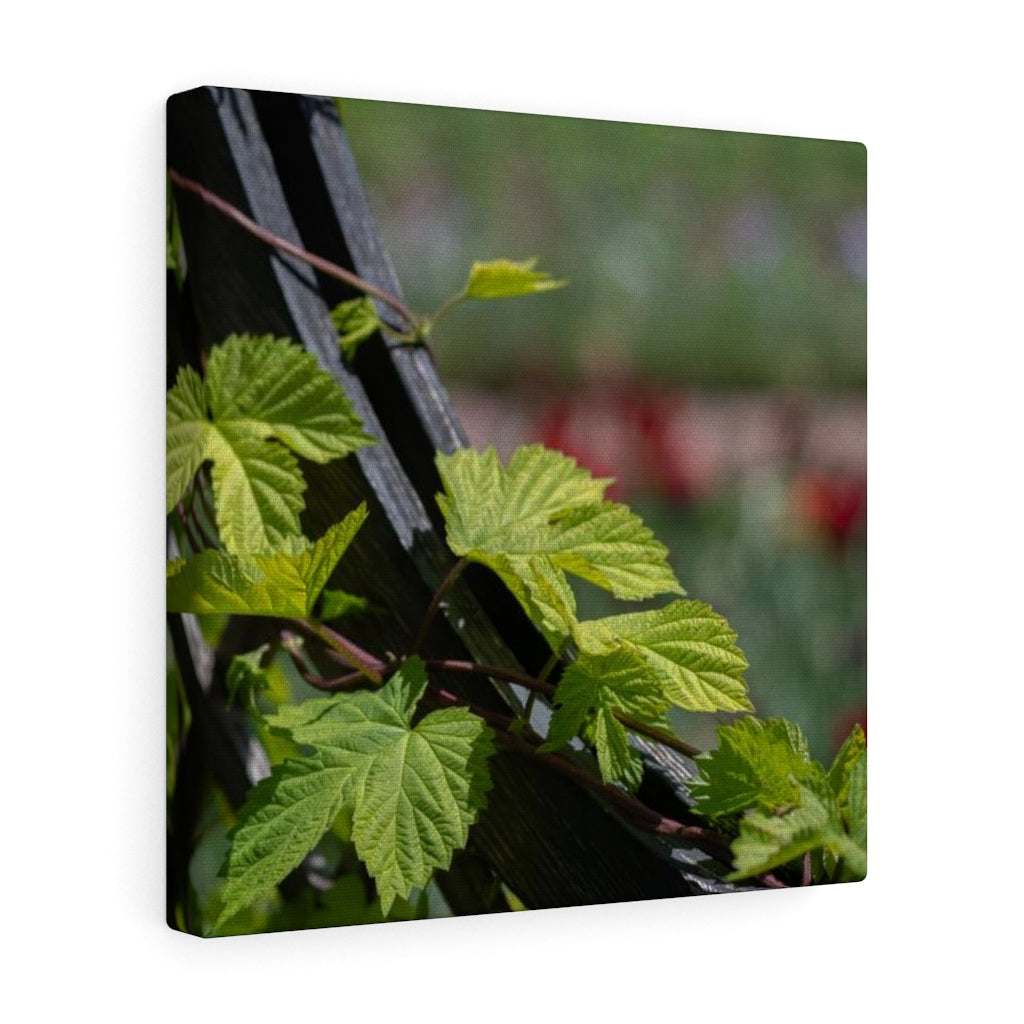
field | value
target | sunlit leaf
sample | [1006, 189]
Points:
[278, 583]
[355, 321]
[507, 279]
[337, 603]
[757, 763]
[543, 516]
[413, 791]
[688, 646]
[264, 401]
[590, 693]
[767, 841]
[246, 677]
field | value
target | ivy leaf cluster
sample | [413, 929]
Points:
[408, 793]
[790, 805]
[543, 518]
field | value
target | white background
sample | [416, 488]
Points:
[936, 101]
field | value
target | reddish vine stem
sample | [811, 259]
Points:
[318, 262]
[494, 671]
[337, 685]
[347, 651]
[435, 602]
[538, 686]
[291, 644]
[666, 739]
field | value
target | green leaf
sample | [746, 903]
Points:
[541, 517]
[263, 400]
[507, 279]
[257, 490]
[489, 508]
[757, 763]
[279, 583]
[355, 321]
[609, 546]
[336, 603]
[855, 815]
[414, 791]
[246, 677]
[543, 591]
[283, 818]
[848, 779]
[589, 694]
[186, 433]
[690, 648]
[767, 841]
[765, 769]
[849, 754]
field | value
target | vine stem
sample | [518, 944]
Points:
[493, 671]
[539, 686]
[350, 653]
[542, 676]
[318, 262]
[446, 307]
[292, 645]
[435, 602]
[666, 739]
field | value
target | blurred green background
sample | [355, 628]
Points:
[709, 351]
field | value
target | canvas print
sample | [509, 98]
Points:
[516, 512]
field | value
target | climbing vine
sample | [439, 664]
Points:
[383, 754]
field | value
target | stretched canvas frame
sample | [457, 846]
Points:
[553, 833]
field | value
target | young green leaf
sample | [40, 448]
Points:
[757, 764]
[490, 508]
[540, 518]
[507, 279]
[246, 677]
[849, 754]
[848, 779]
[279, 583]
[355, 321]
[543, 592]
[336, 603]
[263, 400]
[590, 693]
[767, 840]
[283, 818]
[609, 546]
[689, 648]
[414, 791]
[855, 815]
[186, 433]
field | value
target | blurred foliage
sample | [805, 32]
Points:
[697, 256]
